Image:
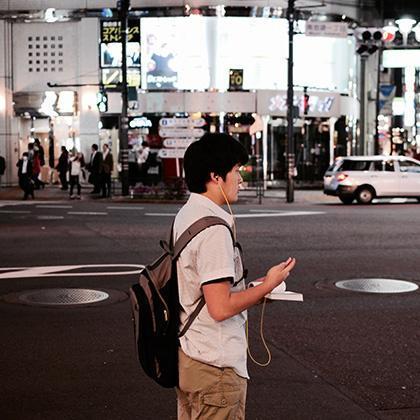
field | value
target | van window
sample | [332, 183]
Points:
[378, 165]
[383, 165]
[355, 165]
[389, 165]
[408, 166]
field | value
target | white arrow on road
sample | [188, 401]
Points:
[65, 271]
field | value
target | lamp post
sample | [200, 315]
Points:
[123, 7]
[290, 140]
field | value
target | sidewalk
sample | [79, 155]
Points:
[54, 193]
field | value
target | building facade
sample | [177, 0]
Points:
[54, 63]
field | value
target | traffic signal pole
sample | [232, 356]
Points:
[290, 94]
[124, 6]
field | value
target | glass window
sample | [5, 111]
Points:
[378, 165]
[409, 166]
[355, 165]
[389, 165]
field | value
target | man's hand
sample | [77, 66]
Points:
[223, 304]
[279, 273]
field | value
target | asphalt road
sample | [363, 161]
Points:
[337, 355]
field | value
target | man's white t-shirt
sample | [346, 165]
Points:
[209, 257]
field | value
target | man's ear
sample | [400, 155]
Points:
[214, 177]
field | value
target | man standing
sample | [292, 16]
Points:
[62, 168]
[95, 167]
[26, 182]
[212, 356]
[2, 167]
[107, 168]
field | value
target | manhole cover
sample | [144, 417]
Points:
[62, 296]
[377, 285]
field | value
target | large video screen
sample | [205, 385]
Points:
[196, 53]
[174, 53]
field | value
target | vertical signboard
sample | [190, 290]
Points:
[111, 53]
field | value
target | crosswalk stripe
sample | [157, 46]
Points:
[88, 213]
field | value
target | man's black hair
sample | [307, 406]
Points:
[94, 146]
[214, 152]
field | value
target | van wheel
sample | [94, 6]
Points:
[365, 195]
[345, 199]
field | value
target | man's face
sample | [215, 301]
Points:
[232, 183]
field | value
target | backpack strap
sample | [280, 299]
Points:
[195, 229]
[194, 315]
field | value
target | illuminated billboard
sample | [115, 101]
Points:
[197, 53]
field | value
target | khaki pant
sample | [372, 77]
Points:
[209, 392]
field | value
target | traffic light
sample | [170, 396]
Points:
[369, 40]
[102, 101]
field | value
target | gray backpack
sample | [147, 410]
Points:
[155, 306]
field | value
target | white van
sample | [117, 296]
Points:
[365, 177]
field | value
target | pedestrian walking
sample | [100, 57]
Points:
[107, 168]
[213, 352]
[31, 151]
[63, 167]
[26, 182]
[38, 147]
[2, 167]
[94, 167]
[75, 171]
[36, 171]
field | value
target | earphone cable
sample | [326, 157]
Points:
[263, 305]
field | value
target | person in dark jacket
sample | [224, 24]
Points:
[95, 167]
[25, 176]
[107, 168]
[2, 166]
[62, 167]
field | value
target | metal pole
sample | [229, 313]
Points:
[377, 98]
[290, 142]
[363, 99]
[123, 134]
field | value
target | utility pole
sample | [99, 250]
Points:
[123, 7]
[290, 94]
[361, 149]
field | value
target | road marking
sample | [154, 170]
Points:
[125, 208]
[88, 213]
[269, 211]
[48, 206]
[160, 214]
[290, 213]
[15, 211]
[46, 217]
[398, 200]
[243, 215]
[63, 271]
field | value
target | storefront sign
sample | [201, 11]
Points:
[182, 122]
[316, 104]
[171, 153]
[329, 29]
[139, 122]
[179, 143]
[181, 132]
